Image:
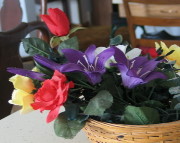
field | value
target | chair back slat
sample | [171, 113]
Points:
[155, 13]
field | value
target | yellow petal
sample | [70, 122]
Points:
[157, 45]
[23, 99]
[35, 69]
[27, 101]
[17, 97]
[22, 83]
[164, 48]
[176, 54]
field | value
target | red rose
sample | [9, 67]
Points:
[57, 22]
[52, 95]
[150, 50]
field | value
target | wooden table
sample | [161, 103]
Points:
[32, 128]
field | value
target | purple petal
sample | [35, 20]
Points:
[73, 56]
[90, 53]
[120, 56]
[71, 67]
[102, 58]
[138, 61]
[132, 73]
[155, 75]
[46, 62]
[27, 73]
[127, 80]
[93, 77]
[148, 67]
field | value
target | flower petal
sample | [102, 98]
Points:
[53, 114]
[128, 81]
[135, 52]
[122, 48]
[102, 58]
[154, 75]
[73, 56]
[46, 62]
[138, 62]
[27, 73]
[71, 67]
[120, 56]
[61, 21]
[93, 77]
[90, 53]
[148, 67]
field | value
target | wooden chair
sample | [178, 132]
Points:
[9, 54]
[152, 13]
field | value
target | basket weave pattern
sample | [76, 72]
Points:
[101, 132]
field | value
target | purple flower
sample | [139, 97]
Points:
[137, 71]
[27, 73]
[46, 62]
[91, 65]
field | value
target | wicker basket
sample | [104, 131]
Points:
[101, 132]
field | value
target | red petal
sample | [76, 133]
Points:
[53, 114]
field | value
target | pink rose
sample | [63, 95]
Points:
[52, 95]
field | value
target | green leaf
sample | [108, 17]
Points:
[170, 82]
[116, 40]
[44, 70]
[71, 43]
[72, 111]
[55, 41]
[141, 115]
[175, 104]
[174, 90]
[98, 104]
[152, 103]
[75, 29]
[34, 46]
[67, 128]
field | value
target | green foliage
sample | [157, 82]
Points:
[116, 40]
[98, 104]
[55, 41]
[34, 46]
[175, 103]
[71, 43]
[141, 115]
[67, 128]
[174, 90]
[76, 29]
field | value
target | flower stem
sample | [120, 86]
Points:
[152, 90]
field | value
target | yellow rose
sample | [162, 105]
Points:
[175, 56]
[22, 94]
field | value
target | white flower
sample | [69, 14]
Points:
[135, 52]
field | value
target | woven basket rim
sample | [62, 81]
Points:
[133, 126]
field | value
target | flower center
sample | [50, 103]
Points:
[88, 66]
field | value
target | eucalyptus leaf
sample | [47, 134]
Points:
[175, 103]
[116, 40]
[174, 90]
[34, 46]
[98, 104]
[141, 115]
[67, 128]
[71, 43]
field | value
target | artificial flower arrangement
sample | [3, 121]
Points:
[114, 84]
